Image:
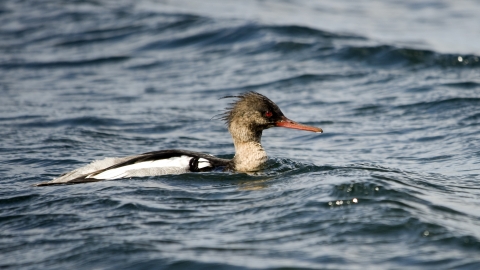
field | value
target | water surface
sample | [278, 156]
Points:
[391, 184]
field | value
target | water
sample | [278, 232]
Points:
[391, 184]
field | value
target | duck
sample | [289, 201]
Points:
[246, 118]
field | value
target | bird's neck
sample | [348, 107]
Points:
[249, 153]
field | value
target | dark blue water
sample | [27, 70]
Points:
[393, 183]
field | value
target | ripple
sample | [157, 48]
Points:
[63, 64]
[390, 55]
[245, 33]
[76, 121]
[463, 85]
[114, 34]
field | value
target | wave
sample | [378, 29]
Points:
[287, 39]
[464, 85]
[455, 104]
[99, 36]
[180, 31]
[76, 121]
[392, 55]
[205, 36]
[66, 63]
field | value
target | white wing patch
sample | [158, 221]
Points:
[174, 165]
[202, 163]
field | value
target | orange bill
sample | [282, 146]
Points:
[287, 123]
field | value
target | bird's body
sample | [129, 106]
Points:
[246, 119]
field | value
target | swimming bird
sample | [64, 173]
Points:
[246, 118]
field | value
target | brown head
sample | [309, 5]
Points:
[255, 112]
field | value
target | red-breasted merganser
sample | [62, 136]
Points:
[247, 117]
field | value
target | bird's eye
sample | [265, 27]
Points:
[268, 114]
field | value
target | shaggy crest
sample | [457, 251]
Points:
[248, 101]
